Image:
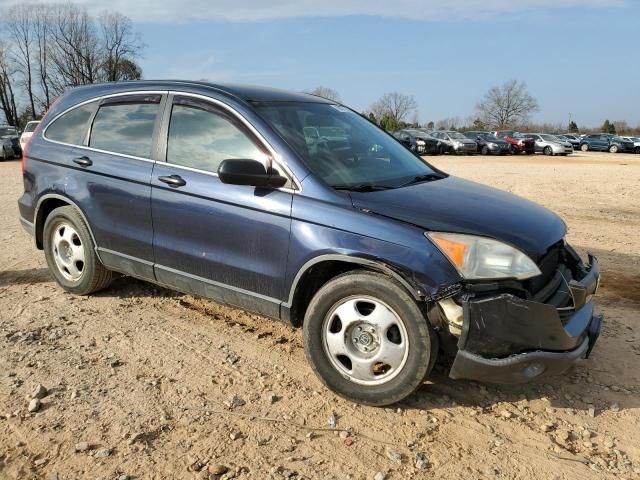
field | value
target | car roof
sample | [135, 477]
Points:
[248, 93]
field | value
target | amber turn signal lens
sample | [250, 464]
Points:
[452, 249]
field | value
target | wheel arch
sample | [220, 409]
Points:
[318, 271]
[48, 203]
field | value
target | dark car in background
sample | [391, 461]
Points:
[488, 144]
[606, 142]
[456, 142]
[10, 143]
[518, 141]
[291, 206]
[417, 141]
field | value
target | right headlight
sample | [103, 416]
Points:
[478, 258]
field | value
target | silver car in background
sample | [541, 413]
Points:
[456, 142]
[636, 143]
[550, 144]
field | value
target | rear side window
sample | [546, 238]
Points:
[72, 126]
[125, 128]
[200, 138]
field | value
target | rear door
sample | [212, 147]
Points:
[226, 242]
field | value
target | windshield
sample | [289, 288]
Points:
[341, 147]
[518, 135]
[4, 131]
[457, 135]
[550, 138]
[30, 127]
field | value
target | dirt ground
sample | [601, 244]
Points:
[147, 383]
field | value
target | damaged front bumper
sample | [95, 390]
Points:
[506, 339]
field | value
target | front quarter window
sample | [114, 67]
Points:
[341, 147]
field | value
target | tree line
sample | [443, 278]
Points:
[47, 48]
[506, 106]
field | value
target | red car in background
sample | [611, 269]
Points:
[517, 140]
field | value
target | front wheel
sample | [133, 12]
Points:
[70, 253]
[368, 340]
[548, 151]
[613, 149]
[584, 147]
[485, 150]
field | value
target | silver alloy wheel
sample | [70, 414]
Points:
[365, 340]
[68, 251]
[613, 149]
[584, 147]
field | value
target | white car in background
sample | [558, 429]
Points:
[636, 142]
[27, 132]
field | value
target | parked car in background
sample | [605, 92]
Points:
[10, 141]
[518, 142]
[456, 142]
[27, 132]
[574, 140]
[636, 142]
[606, 142]
[488, 144]
[378, 256]
[550, 144]
[417, 141]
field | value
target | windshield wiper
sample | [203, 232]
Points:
[365, 187]
[427, 177]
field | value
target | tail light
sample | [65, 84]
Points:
[35, 132]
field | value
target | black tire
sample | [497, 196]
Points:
[94, 276]
[422, 345]
[514, 150]
[484, 150]
[548, 151]
[584, 147]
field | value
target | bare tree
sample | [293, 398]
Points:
[19, 25]
[395, 106]
[7, 97]
[507, 104]
[326, 92]
[75, 56]
[42, 38]
[119, 44]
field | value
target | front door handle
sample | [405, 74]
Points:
[83, 161]
[173, 180]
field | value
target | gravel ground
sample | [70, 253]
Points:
[142, 382]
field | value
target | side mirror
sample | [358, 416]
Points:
[248, 172]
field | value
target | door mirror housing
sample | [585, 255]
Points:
[253, 173]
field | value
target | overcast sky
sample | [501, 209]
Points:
[578, 57]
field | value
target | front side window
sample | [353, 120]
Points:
[202, 138]
[360, 156]
[72, 126]
[125, 128]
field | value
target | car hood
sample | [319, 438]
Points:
[456, 205]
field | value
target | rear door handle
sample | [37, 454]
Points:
[83, 161]
[173, 180]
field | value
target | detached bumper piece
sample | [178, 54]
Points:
[506, 339]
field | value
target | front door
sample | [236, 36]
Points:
[226, 242]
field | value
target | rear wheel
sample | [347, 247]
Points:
[70, 253]
[584, 147]
[367, 339]
[613, 149]
[5, 155]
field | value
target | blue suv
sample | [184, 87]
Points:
[300, 209]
